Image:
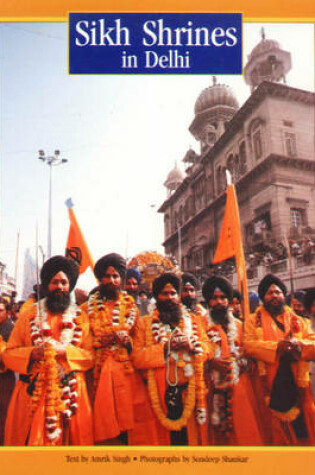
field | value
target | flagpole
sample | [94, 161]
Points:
[37, 280]
[179, 246]
[288, 248]
[230, 242]
[17, 260]
[228, 177]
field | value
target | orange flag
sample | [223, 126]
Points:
[76, 247]
[230, 244]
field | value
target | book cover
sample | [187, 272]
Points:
[120, 118]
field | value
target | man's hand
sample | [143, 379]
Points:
[221, 364]
[288, 347]
[181, 342]
[37, 354]
[107, 340]
[123, 338]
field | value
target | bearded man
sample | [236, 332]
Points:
[274, 338]
[189, 299]
[7, 378]
[113, 314]
[231, 409]
[51, 347]
[308, 348]
[170, 347]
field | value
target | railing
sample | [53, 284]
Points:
[279, 266]
[252, 273]
[300, 261]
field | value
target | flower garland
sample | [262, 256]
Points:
[195, 397]
[51, 382]
[221, 416]
[104, 323]
[47, 386]
[295, 333]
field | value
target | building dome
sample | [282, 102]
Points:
[263, 47]
[174, 178]
[216, 95]
[267, 62]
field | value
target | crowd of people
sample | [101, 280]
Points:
[119, 368]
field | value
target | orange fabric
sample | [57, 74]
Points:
[113, 409]
[145, 357]
[230, 244]
[17, 356]
[145, 427]
[246, 429]
[77, 242]
[114, 387]
[263, 348]
[36, 436]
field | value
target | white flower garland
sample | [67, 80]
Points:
[99, 301]
[215, 338]
[41, 332]
[71, 333]
[161, 334]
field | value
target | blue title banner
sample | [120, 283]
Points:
[155, 43]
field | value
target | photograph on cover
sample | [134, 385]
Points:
[138, 166]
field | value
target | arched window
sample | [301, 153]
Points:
[230, 165]
[180, 216]
[218, 180]
[167, 223]
[256, 134]
[209, 188]
[199, 190]
[236, 168]
[243, 162]
[175, 222]
[185, 212]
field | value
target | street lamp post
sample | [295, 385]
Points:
[51, 160]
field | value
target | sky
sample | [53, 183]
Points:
[120, 134]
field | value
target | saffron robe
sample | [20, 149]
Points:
[261, 342]
[7, 377]
[113, 398]
[21, 427]
[245, 428]
[148, 430]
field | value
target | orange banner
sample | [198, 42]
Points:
[76, 246]
[230, 243]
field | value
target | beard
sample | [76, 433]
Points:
[109, 291]
[189, 302]
[219, 314]
[274, 309]
[169, 312]
[57, 302]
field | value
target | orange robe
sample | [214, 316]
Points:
[244, 412]
[261, 342]
[20, 422]
[113, 398]
[148, 429]
[7, 382]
